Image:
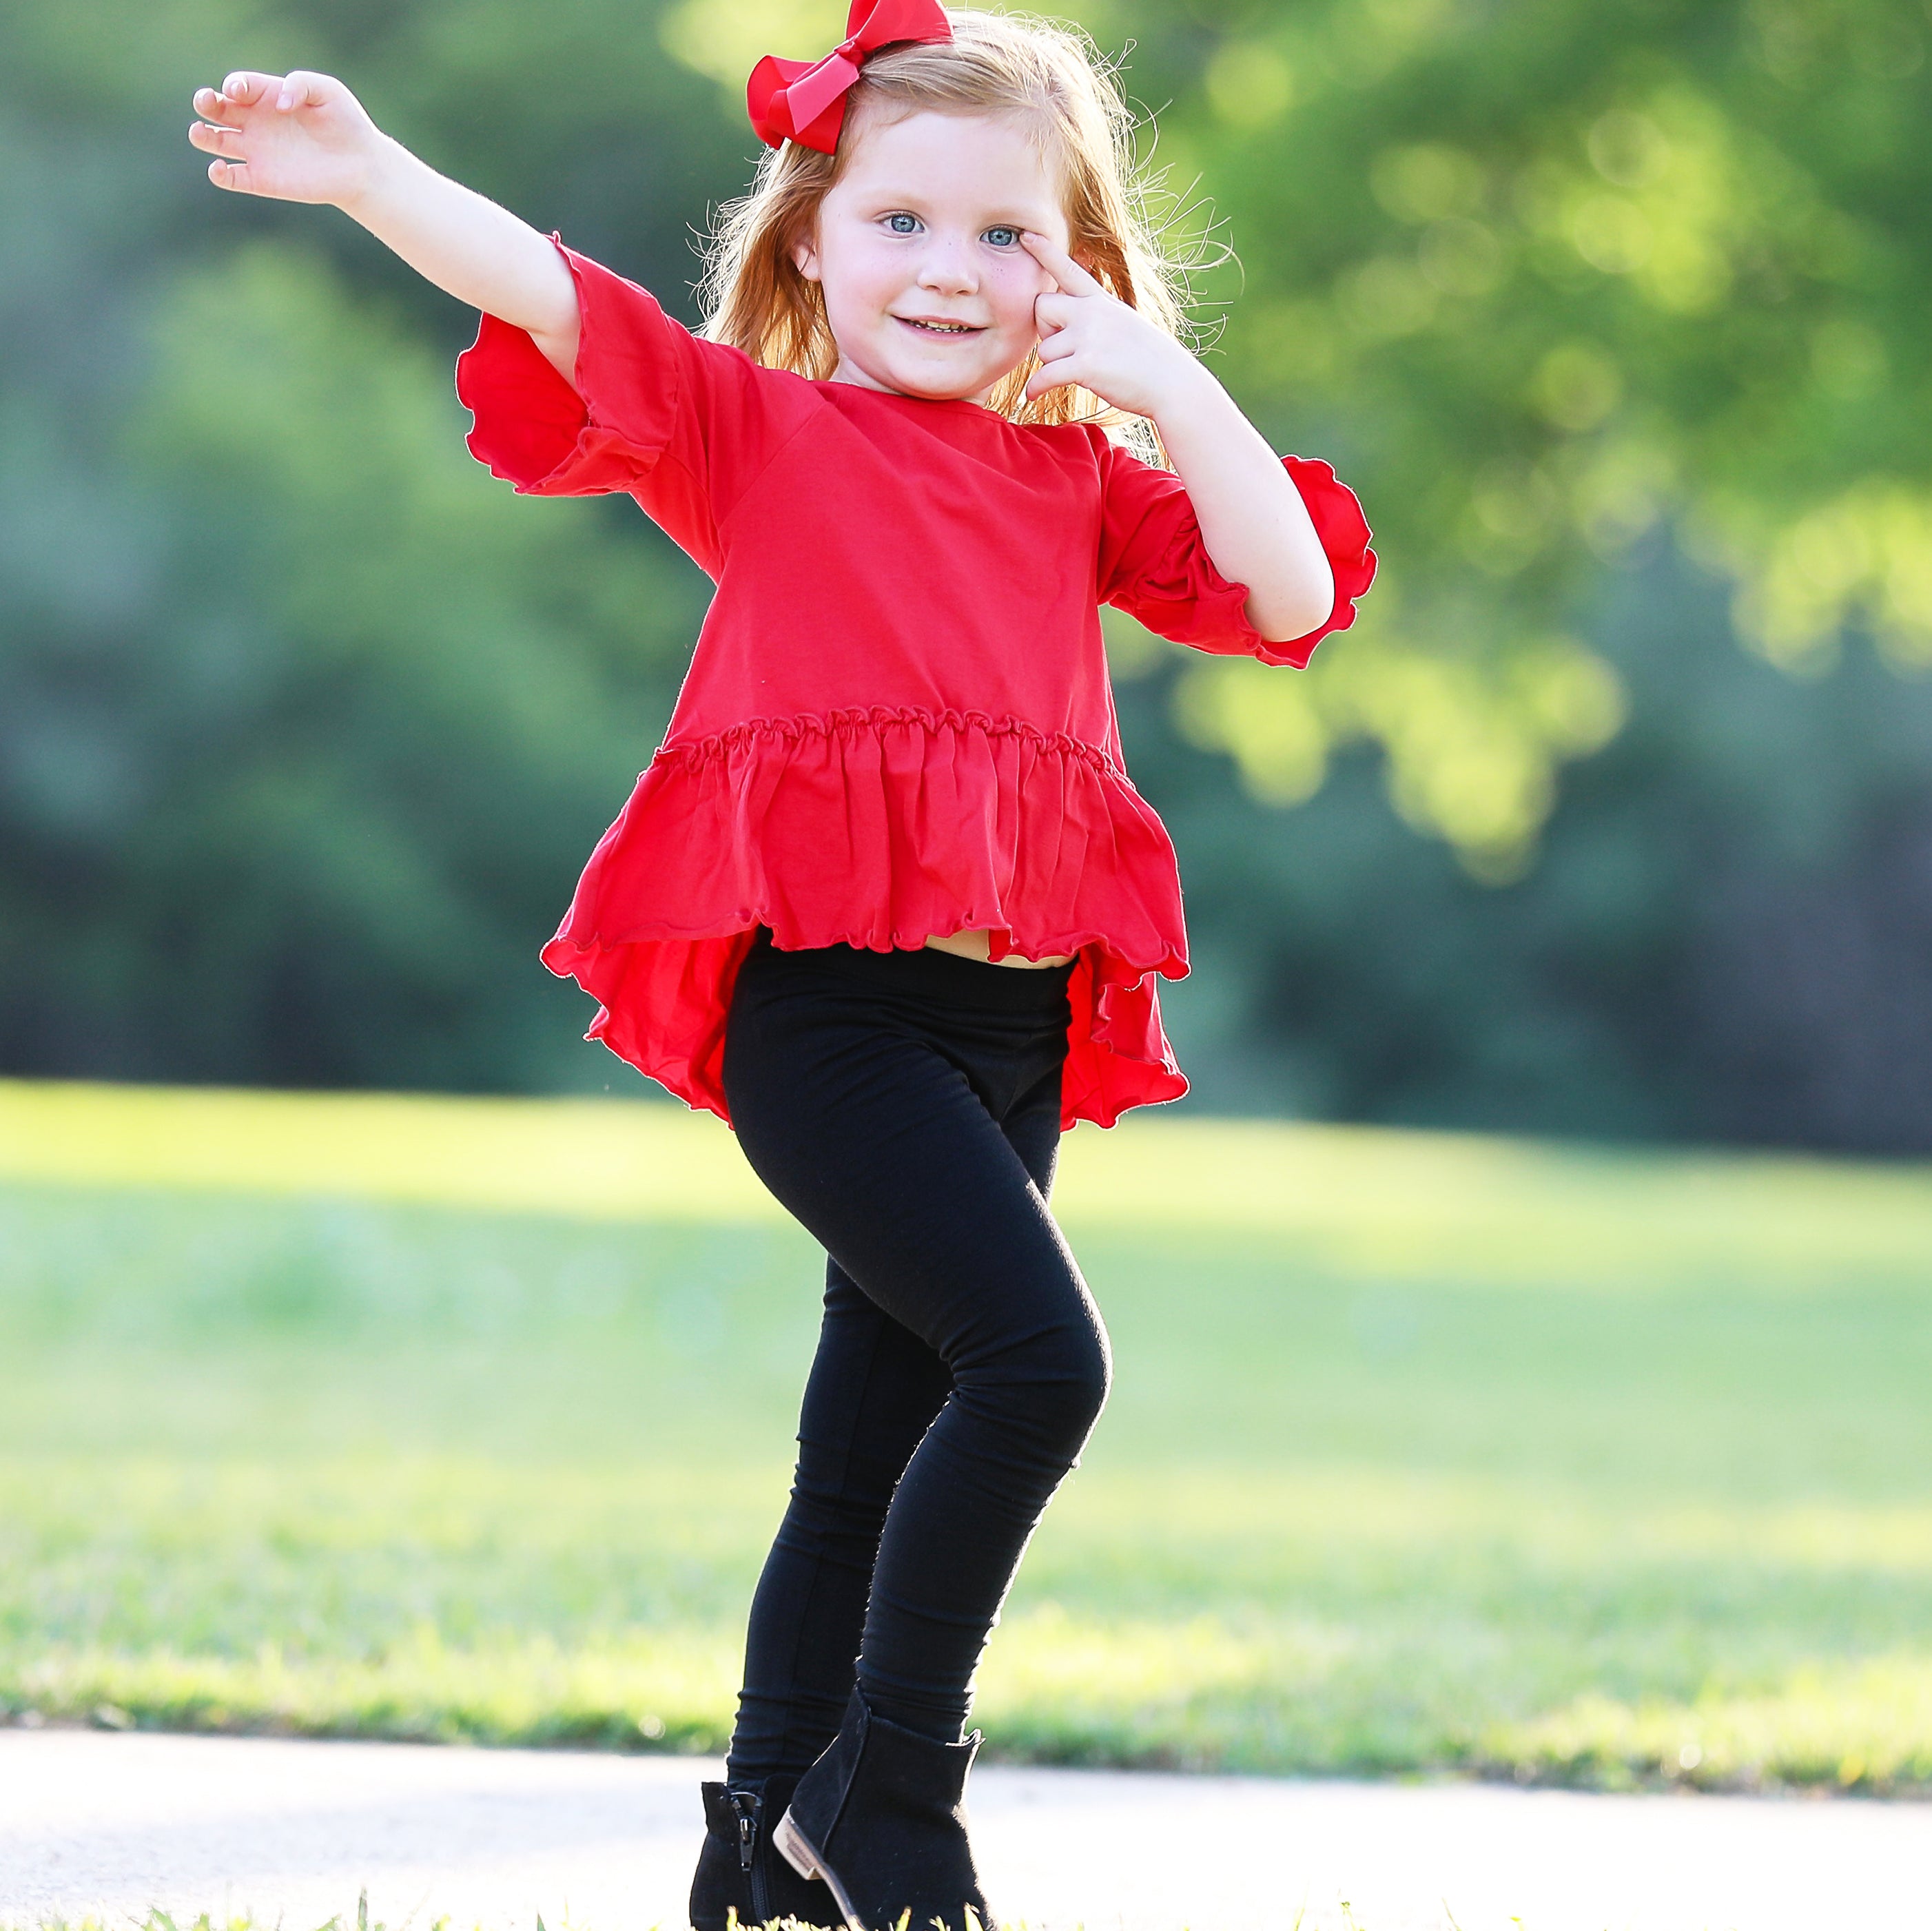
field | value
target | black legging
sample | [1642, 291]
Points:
[905, 1106]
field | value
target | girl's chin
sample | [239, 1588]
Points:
[935, 374]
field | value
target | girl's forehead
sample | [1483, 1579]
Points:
[962, 157]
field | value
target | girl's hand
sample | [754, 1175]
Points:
[1091, 337]
[1253, 519]
[305, 137]
[293, 137]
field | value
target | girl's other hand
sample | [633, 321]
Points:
[1253, 519]
[1091, 337]
[293, 137]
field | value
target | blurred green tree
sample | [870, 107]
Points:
[1588, 276]
[306, 723]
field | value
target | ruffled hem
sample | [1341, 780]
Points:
[534, 429]
[879, 828]
[1336, 511]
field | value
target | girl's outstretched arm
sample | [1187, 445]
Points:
[305, 137]
[1252, 517]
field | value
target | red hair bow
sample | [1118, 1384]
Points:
[804, 101]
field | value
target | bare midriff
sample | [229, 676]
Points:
[977, 945]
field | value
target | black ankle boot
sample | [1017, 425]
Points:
[881, 1817]
[738, 1869]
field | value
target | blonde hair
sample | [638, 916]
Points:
[754, 297]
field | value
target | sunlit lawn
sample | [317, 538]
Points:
[470, 1419]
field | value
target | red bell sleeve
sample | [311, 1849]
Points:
[1155, 565]
[652, 411]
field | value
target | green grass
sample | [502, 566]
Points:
[470, 1419]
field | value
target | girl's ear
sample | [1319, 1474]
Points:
[804, 256]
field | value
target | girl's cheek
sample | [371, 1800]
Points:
[1020, 285]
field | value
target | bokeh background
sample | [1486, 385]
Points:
[1471, 1412]
[1613, 816]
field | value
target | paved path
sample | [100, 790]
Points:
[95, 1822]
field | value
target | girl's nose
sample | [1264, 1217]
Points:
[947, 269]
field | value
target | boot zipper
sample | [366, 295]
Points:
[746, 1806]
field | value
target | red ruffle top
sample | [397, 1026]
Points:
[898, 722]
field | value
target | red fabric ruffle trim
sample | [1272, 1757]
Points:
[550, 437]
[879, 828]
[1336, 511]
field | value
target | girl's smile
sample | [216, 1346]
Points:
[928, 289]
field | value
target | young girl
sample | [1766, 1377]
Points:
[885, 899]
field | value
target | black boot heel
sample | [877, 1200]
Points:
[740, 1876]
[880, 1819]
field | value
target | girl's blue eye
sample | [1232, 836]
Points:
[902, 224]
[1004, 237]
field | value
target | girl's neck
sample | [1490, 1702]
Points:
[849, 372]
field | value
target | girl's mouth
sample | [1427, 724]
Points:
[943, 328]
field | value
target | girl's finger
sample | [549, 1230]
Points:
[244, 89]
[300, 89]
[1072, 278]
[1056, 347]
[213, 106]
[217, 140]
[1054, 311]
[231, 174]
[1064, 373]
